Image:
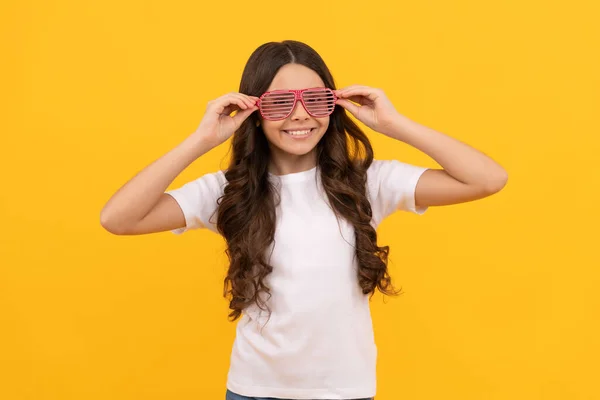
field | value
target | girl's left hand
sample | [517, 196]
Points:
[375, 110]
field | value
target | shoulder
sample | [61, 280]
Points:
[381, 170]
[375, 167]
[212, 181]
[216, 178]
[198, 200]
[382, 173]
[205, 188]
[391, 186]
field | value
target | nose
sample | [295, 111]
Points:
[299, 112]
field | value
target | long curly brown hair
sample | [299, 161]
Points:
[246, 211]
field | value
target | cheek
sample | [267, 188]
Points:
[272, 128]
[323, 123]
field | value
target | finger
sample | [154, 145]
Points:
[239, 117]
[230, 104]
[247, 100]
[229, 109]
[248, 105]
[240, 97]
[363, 98]
[253, 98]
[364, 90]
[357, 99]
[348, 88]
[348, 106]
[240, 101]
[233, 98]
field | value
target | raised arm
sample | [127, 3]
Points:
[140, 206]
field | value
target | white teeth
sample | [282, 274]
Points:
[298, 133]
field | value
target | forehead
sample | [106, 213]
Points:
[295, 76]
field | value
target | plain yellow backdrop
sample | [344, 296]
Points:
[500, 295]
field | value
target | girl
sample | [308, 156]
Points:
[299, 206]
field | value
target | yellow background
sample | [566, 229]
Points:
[500, 295]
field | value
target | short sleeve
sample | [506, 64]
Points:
[392, 186]
[198, 201]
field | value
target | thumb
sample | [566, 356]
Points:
[240, 116]
[348, 105]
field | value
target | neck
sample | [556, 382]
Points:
[283, 164]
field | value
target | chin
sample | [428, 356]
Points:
[299, 149]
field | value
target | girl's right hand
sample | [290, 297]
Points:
[217, 125]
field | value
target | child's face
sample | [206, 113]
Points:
[295, 76]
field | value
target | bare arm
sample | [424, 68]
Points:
[140, 205]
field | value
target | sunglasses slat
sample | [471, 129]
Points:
[317, 94]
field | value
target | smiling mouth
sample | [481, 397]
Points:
[300, 135]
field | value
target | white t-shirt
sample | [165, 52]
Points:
[319, 341]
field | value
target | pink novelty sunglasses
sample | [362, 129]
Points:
[276, 105]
